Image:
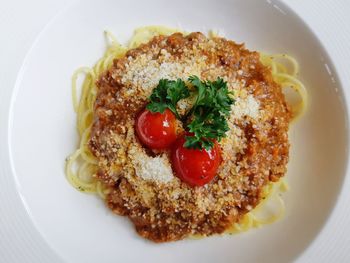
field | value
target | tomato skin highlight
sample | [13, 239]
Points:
[156, 130]
[193, 166]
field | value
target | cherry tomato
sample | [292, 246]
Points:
[193, 166]
[156, 130]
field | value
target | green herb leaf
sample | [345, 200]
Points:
[208, 114]
[212, 105]
[167, 94]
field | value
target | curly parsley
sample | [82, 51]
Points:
[207, 115]
[166, 95]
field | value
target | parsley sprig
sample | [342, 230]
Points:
[167, 94]
[210, 110]
[206, 120]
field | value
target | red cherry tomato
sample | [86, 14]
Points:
[156, 130]
[193, 166]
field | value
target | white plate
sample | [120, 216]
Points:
[78, 227]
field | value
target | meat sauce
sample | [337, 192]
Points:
[254, 152]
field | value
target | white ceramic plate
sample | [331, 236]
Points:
[78, 227]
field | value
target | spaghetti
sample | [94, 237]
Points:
[81, 166]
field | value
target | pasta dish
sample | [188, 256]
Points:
[186, 133]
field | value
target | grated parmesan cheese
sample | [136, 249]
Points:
[156, 169]
[246, 107]
[145, 72]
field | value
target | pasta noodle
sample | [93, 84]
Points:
[81, 166]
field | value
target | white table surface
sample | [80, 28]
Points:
[20, 23]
